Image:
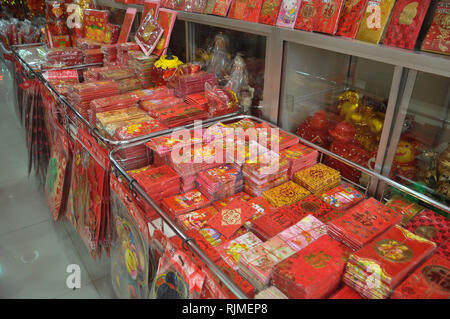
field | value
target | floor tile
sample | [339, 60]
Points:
[34, 260]
[104, 287]
[23, 204]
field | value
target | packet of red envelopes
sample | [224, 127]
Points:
[178, 277]
[148, 34]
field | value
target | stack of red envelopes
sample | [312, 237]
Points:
[184, 203]
[115, 74]
[129, 84]
[429, 281]
[111, 103]
[274, 222]
[196, 219]
[162, 104]
[362, 223]
[342, 197]
[197, 98]
[159, 182]
[299, 157]
[346, 293]
[181, 114]
[108, 122]
[123, 50]
[191, 83]
[82, 94]
[264, 172]
[262, 208]
[311, 205]
[257, 264]
[144, 128]
[220, 182]
[430, 225]
[109, 54]
[231, 250]
[384, 263]
[243, 284]
[142, 66]
[92, 56]
[313, 272]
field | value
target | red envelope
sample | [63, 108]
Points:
[231, 217]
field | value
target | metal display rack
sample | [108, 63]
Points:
[38, 74]
[406, 65]
[120, 172]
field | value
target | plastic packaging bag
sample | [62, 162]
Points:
[148, 34]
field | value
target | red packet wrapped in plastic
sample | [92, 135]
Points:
[351, 18]
[430, 281]
[95, 22]
[126, 25]
[308, 15]
[151, 7]
[327, 20]
[149, 34]
[184, 203]
[269, 11]
[197, 6]
[404, 27]
[221, 7]
[342, 197]
[178, 277]
[196, 219]
[381, 265]
[231, 250]
[144, 128]
[238, 9]
[166, 19]
[431, 226]
[362, 223]
[231, 217]
[437, 39]
[288, 13]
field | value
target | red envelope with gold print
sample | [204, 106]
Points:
[231, 217]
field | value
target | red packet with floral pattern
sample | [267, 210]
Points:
[274, 222]
[407, 208]
[329, 13]
[196, 219]
[253, 10]
[95, 22]
[238, 9]
[437, 39]
[221, 7]
[151, 7]
[57, 182]
[231, 250]
[406, 22]
[350, 19]
[269, 12]
[231, 217]
[307, 15]
[431, 226]
[313, 272]
[430, 281]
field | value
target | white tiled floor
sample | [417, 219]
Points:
[34, 251]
